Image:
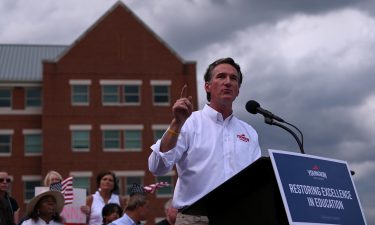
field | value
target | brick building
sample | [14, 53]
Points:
[96, 104]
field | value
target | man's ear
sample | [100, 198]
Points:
[207, 86]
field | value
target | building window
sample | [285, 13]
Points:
[30, 182]
[133, 140]
[165, 191]
[81, 140]
[82, 182]
[121, 92]
[161, 92]
[5, 97]
[33, 97]
[80, 137]
[80, 95]
[112, 139]
[131, 94]
[33, 144]
[111, 94]
[82, 179]
[80, 92]
[6, 142]
[122, 137]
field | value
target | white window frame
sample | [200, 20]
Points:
[122, 129]
[167, 83]
[26, 178]
[120, 84]
[127, 149]
[124, 95]
[9, 132]
[26, 132]
[119, 139]
[10, 89]
[73, 83]
[26, 110]
[41, 96]
[83, 174]
[80, 127]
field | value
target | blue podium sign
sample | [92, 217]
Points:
[316, 190]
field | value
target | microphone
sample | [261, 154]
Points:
[254, 108]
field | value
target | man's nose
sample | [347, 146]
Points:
[227, 81]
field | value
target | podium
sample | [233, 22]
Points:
[250, 197]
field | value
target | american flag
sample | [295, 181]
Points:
[152, 187]
[66, 188]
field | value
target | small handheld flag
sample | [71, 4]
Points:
[66, 188]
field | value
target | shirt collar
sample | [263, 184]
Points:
[111, 199]
[129, 219]
[215, 115]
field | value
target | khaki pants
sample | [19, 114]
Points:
[183, 219]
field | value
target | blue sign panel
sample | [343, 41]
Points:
[316, 190]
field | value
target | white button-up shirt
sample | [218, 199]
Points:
[124, 220]
[40, 222]
[209, 151]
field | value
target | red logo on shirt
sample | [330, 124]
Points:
[315, 167]
[242, 137]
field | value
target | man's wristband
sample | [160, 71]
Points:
[172, 132]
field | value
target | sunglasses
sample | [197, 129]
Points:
[7, 180]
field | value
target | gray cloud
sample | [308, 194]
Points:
[215, 21]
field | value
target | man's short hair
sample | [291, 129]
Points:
[136, 201]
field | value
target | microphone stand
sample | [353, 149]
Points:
[270, 121]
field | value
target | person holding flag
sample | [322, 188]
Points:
[51, 178]
[55, 182]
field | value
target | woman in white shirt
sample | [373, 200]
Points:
[107, 185]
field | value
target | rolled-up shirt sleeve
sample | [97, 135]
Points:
[160, 163]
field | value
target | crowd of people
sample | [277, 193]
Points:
[203, 145]
[102, 208]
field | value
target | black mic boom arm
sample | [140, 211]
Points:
[270, 121]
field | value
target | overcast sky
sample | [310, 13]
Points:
[311, 62]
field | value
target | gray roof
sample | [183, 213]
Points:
[23, 63]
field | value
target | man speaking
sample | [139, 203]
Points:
[208, 146]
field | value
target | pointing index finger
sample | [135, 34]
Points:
[184, 92]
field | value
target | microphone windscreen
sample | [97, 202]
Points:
[251, 106]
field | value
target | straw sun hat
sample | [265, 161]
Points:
[56, 194]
